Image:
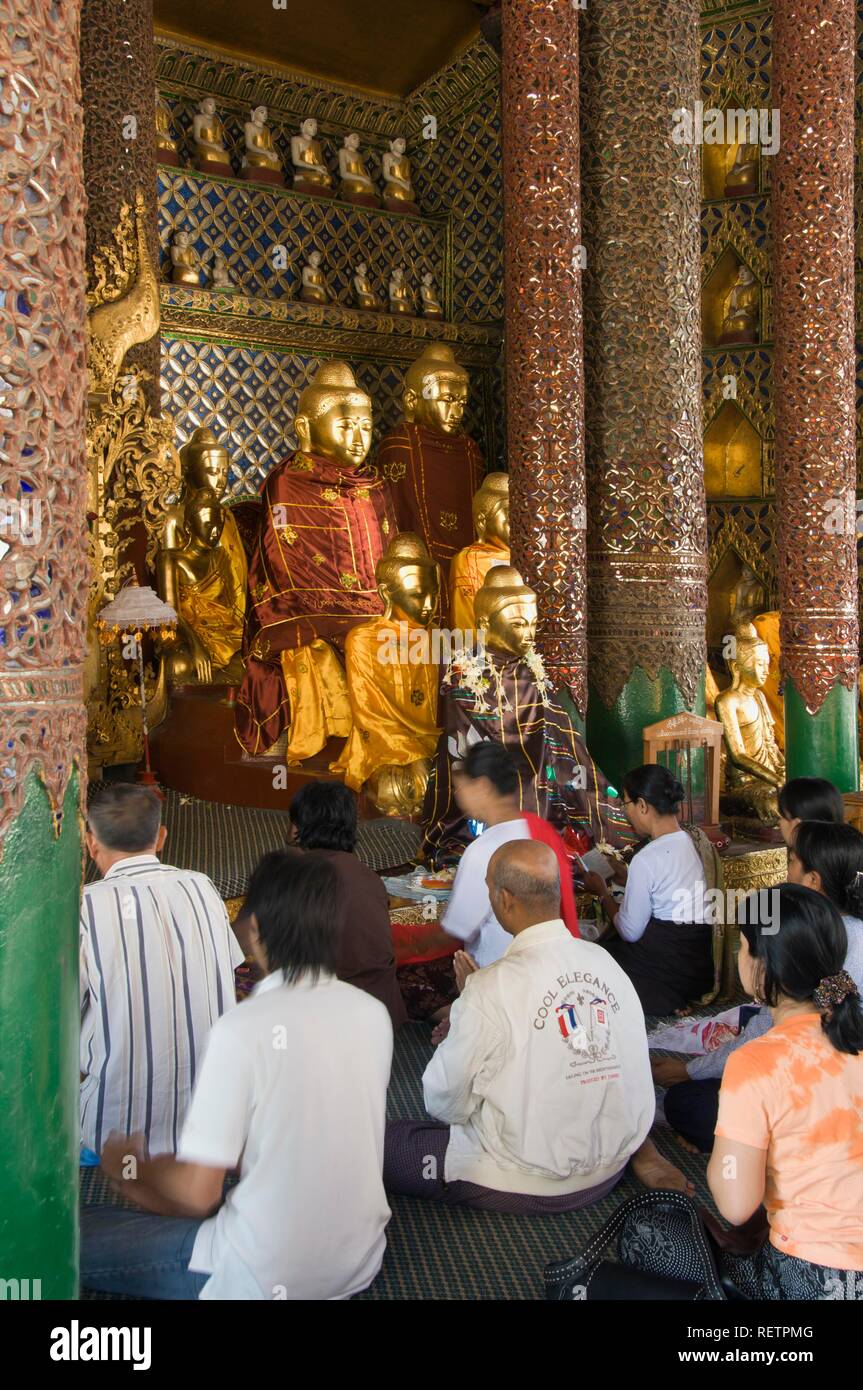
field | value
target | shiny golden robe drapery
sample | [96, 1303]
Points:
[214, 606]
[467, 574]
[311, 579]
[393, 701]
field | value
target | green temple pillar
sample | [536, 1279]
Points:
[44, 578]
[646, 513]
[813, 315]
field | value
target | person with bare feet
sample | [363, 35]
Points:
[541, 1092]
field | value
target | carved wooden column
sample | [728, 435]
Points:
[647, 530]
[813, 315]
[44, 578]
[544, 374]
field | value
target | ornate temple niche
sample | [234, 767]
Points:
[733, 591]
[731, 303]
[731, 169]
[732, 455]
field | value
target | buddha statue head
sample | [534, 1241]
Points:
[506, 611]
[309, 128]
[259, 116]
[436, 390]
[334, 417]
[205, 462]
[208, 106]
[204, 518]
[750, 663]
[408, 580]
[398, 146]
[491, 510]
[352, 141]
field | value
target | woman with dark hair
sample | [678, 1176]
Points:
[808, 798]
[291, 1090]
[663, 944]
[324, 817]
[790, 1127]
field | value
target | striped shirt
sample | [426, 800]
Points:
[157, 969]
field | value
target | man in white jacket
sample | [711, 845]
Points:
[542, 1092]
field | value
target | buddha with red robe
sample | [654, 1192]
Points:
[432, 468]
[325, 524]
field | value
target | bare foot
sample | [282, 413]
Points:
[684, 1012]
[653, 1170]
[684, 1143]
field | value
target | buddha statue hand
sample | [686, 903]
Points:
[399, 791]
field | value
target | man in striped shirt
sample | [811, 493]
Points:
[157, 970]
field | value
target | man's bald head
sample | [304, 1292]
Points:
[524, 879]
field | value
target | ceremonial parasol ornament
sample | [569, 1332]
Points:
[135, 610]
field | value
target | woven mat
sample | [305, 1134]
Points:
[226, 842]
[440, 1252]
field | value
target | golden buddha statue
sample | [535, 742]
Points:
[314, 287]
[767, 627]
[211, 157]
[166, 146]
[204, 463]
[393, 684]
[506, 612]
[325, 520]
[747, 598]
[742, 178]
[471, 565]
[432, 307]
[755, 767]
[740, 310]
[184, 261]
[433, 469]
[260, 160]
[220, 276]
[311, 174]
[365, 295]
[401, 300]
[356, 186]
[199, 581]
[398, 191]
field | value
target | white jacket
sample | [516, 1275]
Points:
[544, 1076]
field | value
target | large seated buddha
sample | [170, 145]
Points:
[324, 527]
[433, 469]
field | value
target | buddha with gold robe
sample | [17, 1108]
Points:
[185, 269]
[398, 189]
[208, 592]
[741, 181]
[393, 684]
[314, 286]
[431, 305]
[491, 547]
[401, 300]
[260, 161]
[166, 145]
[363, 289]
[311, 174]
[325, 523]
[356, 186]
[755, 767]
[433, 469]
[211, 157]
[740, 310]
[499, 691]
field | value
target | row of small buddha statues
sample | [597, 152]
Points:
[186, 269]
[261, 163]
[348, 559]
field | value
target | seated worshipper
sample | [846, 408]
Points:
[827, 858]
[157, 961]
[790, 1127]
[662, 942]
[541, 1093]
[325, 817]
[292, 1092]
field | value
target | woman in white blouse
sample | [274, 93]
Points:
[662, 941]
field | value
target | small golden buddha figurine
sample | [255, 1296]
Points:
[742, 178]
[205, 463]
[211, 157]
[393, 684]
[198, 581]
[398, 191]
[311, 174]
[747, 598]
[365, 295]
[356, 186]
[220, 276]
[166, 145]
[755, 767]
[184, 261]
[432, 307]
[471, 565]
[740, 310]
[314, 287]
[401, 299]
[260, 161]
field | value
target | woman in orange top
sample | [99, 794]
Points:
[790, 1127]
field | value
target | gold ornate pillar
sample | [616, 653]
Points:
[44, 577]
[813, 315]
[647, 531]
[544, 372]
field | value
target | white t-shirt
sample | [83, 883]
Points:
[544, 1076]
[665, 880]
[293, 1089]
[468, 913]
